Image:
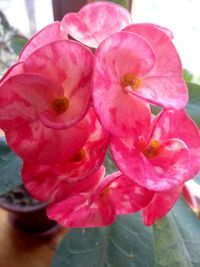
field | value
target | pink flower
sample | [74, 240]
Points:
[116, 194]
[163, 157]
[50, 33]
[137, 65]
[160, 205]
[70, 170]
[121, 113]
[95, 22]
[60, 60]
[33, 104]
[163, 85]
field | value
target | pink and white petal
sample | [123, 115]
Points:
[120, 113]
[76, 212]
[36, 143]
[168, 92]
[122, 53]
[80, 210]
[50, 33]
[43, 183]
[167, 60]
[147, 26]
[94, 151]
[164, 82]
[23, 97]
[40, 181]
[127, 196]
[176, 124]
[61, 60]
[12, 71]
[160, 205]
[95, 22]
[163, 172]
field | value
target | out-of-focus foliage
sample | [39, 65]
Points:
[11, 43]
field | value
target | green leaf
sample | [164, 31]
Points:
[197, 178]
[124, 3]
[177, 238]
[109, 163]
[193, 106]
[155, 109]
[127, 243]
[10, 168]
[187, 75]
[17, 43]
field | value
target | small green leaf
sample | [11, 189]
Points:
[187, 75]
[177, 238]
[193, 106]
[17, 43]
[10, 168]
[109, 163]
[155, 109]
[126, 243]
[197, 178]
[124, 3]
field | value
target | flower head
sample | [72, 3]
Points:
[164, 156]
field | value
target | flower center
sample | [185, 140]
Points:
[131, 80]
[78, 156]
[105, 193]
[60, 105]
[152, 149]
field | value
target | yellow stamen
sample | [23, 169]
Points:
[131, 80]
[78, 156]
[152, 149]
[60, 105]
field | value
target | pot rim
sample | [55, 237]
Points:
[21, 209]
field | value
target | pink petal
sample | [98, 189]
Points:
[167, 60]
[94, 148]
[119, 112]
[50, 33]
[95, 22]
[164, 83]
[79, 211]
[160, 205]
[163, 172]
[61, 60]
[167, 125]
[176, 124]
[168, 92]
[75, 212]
[42, 183]
[13, 70]
[36, 143]
[23, 97]
[122, 53]
[144, 28]
[127, 196]
[71, 171]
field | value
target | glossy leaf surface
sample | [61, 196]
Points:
[10, 168]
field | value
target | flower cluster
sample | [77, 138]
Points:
[68, 99]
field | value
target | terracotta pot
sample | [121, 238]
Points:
[31, 219]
